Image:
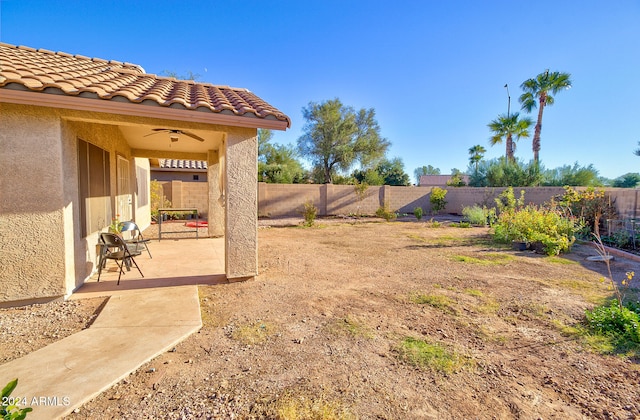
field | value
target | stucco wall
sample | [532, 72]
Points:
[241, 197]
[32, 236]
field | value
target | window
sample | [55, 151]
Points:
[94, 187]
[196, 177]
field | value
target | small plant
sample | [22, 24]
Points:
[437, 199]
[434, 223]
[385, 212]
[310, 211]
[157, 198]
[418, 212]
[461, 224]
[425, 355]
[360, 188]
[618, 322]
[441, 302]
[620, 294]
[9, 409]
[114, 227]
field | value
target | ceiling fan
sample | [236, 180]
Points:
[174, 134]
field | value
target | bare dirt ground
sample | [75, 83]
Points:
[319, 334]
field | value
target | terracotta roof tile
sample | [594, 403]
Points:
[74, 75]
[183, 164]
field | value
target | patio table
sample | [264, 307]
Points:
[179, 210]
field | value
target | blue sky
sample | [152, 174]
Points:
[434, 71]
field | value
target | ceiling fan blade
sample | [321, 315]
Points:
[193, 136]
[151, 134]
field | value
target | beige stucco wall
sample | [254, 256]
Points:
[32, 206]
[241, 198]
[42, 254]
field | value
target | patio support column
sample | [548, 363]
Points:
[241, 202]
[216, 195]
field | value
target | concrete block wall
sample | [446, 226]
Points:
[277, 200]
[187, 195]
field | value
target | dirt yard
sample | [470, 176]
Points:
[327, 330]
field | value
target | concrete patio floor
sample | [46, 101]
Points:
[175, 262]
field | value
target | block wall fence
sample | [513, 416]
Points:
[281, 200]
[278, 200]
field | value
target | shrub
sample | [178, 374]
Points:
[418, 212]
[157, 198]
[590, 205]
[507, 201]
[385, 212]
[479, 216]
[437, 199]
[555, 232]
[621, 323]
[310, 211]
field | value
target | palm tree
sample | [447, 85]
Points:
[537, 94]
[508, 126]
[476, 153]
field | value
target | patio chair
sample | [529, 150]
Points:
[115, 248]
[135, 237]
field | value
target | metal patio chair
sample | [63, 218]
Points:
[115, 248]
[135, 237]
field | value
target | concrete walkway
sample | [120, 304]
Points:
[131, 330]
[143, 318]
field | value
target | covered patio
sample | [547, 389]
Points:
[178, 261]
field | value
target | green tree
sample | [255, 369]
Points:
[476, 153]
[637, 151]
[277, 163]
[630, 180]
[386, 172]
[456, 178]
[506, 127]
[575, 175]
[425, 170]
[336, 136]
[501, 173]
[538, 93]
[392, 171]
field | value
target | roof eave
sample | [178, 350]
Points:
[132, 109]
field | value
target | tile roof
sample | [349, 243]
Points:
[75, 75]
[183, 164]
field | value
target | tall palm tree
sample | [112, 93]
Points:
[537, 94]
[506, 127]
[476, 153]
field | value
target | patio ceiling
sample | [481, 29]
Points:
[148, 143]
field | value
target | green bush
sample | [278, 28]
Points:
[479, 216]
[437, 199]
[555, 232]
[622, 323]
[385, 212]
[418, 212]
[310, 211]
